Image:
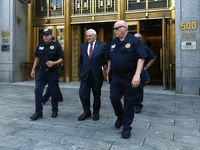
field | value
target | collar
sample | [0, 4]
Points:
[93, 43]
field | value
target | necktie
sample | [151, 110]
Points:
[91, 50]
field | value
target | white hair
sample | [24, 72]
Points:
[91, 30]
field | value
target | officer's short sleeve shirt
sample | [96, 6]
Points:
[150, 54]
[125, 54]
[48, 52]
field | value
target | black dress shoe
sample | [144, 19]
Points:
[54, 114]
[118, 122]
[96, 117]
[126, 133]
[138, 110]
[36, 116]
[83, 117]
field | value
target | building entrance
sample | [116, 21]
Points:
[154, 36]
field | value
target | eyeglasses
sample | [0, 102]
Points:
[89, 36]
[116, 28]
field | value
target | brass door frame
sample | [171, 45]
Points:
[164, 49]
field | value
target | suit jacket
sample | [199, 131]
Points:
[94, 65]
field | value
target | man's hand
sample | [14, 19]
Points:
[135, 81]
[33, 74]
[50, 64]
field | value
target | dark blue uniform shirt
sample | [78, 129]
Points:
[50, 52]
[150, 55]
[125, 54]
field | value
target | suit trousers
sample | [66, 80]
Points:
[121, 87]
[44, 77]
[85, 90]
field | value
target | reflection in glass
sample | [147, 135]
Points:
[136, 4]
[56, 7]
[40, 8]
[132, 29]
[94, 6]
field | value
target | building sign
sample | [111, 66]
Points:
[188, 26]
[188, 45]
[5, 40]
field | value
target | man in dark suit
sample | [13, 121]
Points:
[93, 58]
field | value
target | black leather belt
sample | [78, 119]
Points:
[48, 69]
[127, 75]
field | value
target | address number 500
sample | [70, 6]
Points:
[188, 25]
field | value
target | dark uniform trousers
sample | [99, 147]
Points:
[120, 86]
[85, 90]
[140, 100]
[44, 77]
[47, 94]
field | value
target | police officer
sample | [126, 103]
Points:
[48, 55]
[47, 94]
[149, 60]
[126, 59]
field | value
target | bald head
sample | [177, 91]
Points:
[121, 29]
[138, 35]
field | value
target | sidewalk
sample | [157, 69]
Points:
[167, 122]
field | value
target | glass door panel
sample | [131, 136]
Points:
[56, 7]
[41, 8]
[133, 27]
[60, 39]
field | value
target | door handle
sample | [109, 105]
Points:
[161, 59]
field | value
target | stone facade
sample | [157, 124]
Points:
[13, 39]
[187, 59]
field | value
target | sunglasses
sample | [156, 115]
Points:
[116, 28]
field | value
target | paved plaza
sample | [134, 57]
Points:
[167, 122]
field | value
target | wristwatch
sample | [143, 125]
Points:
[147, 67]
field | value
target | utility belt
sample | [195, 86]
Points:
[127, 75]
[49, 69]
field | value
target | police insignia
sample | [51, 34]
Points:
[52, 47]
[128, 45]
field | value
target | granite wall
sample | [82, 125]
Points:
[13, 39]
[187, 47]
